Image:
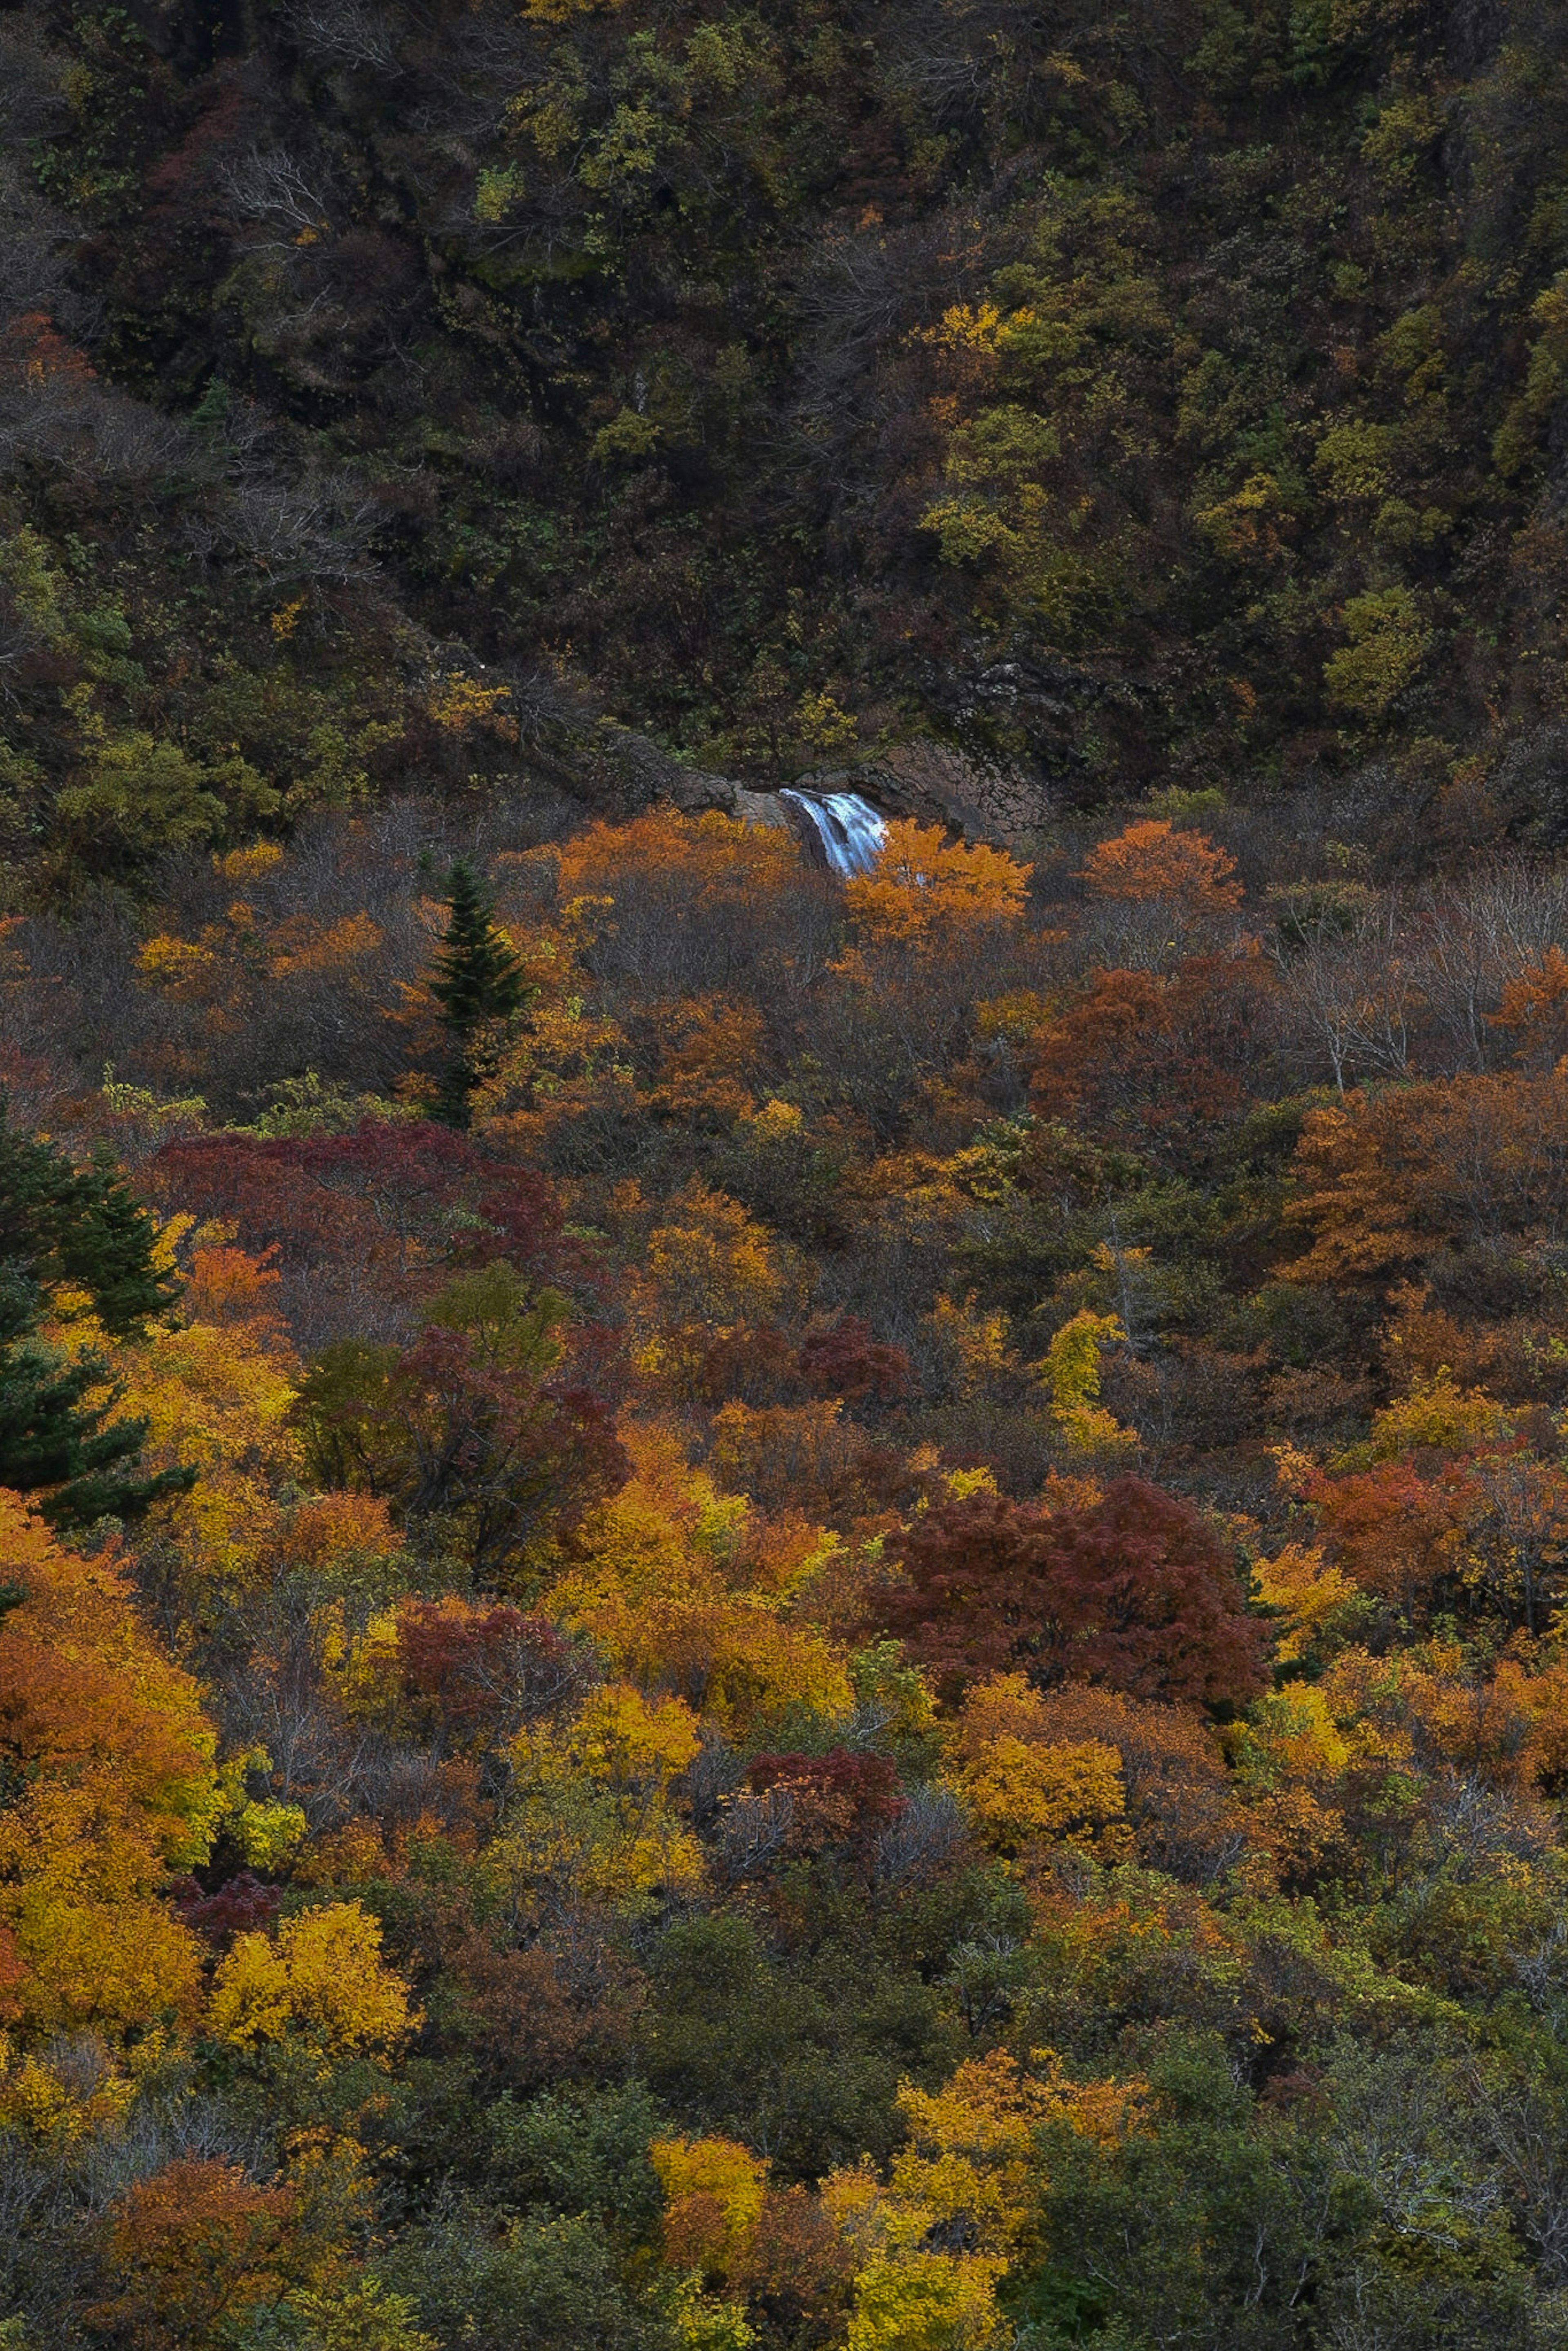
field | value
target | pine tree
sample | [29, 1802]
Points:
[59, 1442]
[477, 981]
[79, 1226]
[66, 1227]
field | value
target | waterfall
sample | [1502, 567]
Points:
[849, 829]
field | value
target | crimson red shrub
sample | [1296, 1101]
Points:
[1137, 1593]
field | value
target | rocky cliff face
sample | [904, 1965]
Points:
[929, 780]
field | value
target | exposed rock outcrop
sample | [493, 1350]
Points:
[939, 784]
[624, 772]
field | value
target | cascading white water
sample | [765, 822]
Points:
[849, 829]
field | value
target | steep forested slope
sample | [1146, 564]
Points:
[395, 391]
[746, 1612]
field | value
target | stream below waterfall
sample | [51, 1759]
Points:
[849, 829]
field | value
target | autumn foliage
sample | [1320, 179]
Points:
[925, 893]
[194, 2244]
[111, 1782]
[1134, 1591]
[1151, 859]
[877, 1668]
[474, 1666]
[376, 1214]
[1160, 1064]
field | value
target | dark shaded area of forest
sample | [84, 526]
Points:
[398, 396]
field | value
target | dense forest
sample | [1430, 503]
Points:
[657, 397]
[792, 1612]
[744, 1607]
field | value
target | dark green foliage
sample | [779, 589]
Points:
[63, 1226]
[478, 983]
[583, 2152]
[477, 977]
[1362, 2201]
[554, 2286]
[59, 1442]
[1220, 2218]
[802, 2052]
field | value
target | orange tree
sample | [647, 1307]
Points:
[106, 1785]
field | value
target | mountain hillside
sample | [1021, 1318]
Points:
[396, 394]
[783, 1177]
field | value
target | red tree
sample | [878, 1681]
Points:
[1136, 1593]
[241, 1906]
[480, 1667]
[839, 1359]
[975, 1596]
[839, 1797]
[1145, 1597]
[372, 1219]
[844, 1360]
[1159, 1064]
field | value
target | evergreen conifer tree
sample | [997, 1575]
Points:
[63, 1226]
[477, 981]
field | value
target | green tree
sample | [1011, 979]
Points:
[64, 1228]
[478, 983]
[579, 2152]
[63, 1225]
[143, 799]
[552, 2284]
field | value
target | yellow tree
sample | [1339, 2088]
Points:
[322, 1983]
[1071, 1374]
[1022, 1783]
[568, 1059]
[592, 1816]
[926, 892]
[707, 1269]
[967, 2175]
[672, 1582]
[215, 1391]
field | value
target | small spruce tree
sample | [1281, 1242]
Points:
[478, 983]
